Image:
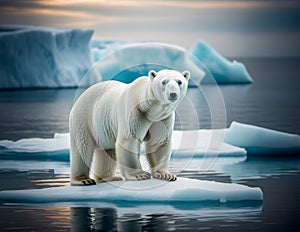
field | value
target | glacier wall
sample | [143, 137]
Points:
[40, 57]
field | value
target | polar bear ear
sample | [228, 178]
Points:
[152, 74]
[186, 75]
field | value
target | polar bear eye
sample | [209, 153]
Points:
[164, 82]
[179, 82]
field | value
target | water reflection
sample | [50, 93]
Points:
[154, 217]
[261, 167]
[238, 169]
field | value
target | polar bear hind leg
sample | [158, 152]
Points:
[105, 165]
[82, 150]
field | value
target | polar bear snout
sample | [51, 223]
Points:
[172, 91]
[172, 96]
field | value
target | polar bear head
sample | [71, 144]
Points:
[169, 86]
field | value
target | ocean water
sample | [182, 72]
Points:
[272, 101]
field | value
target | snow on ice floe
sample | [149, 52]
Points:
[261, 141]
[149, 191]
[35, 57]
[222, 70]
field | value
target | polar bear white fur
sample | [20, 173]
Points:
[111, 119]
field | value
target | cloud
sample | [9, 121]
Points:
[180, 22]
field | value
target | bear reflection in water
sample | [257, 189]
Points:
[106, 219]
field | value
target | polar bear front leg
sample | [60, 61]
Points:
[105, 165]
[128, 152]
[158, 158]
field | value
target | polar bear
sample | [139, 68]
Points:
[110, 120]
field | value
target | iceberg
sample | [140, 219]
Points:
[117, 60]
[103, 48]
[223, 71]
[186, 144]
[41, 57]
[183, 190]
[135, 60]
[261, 141]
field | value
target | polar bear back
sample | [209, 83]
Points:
[83, 112]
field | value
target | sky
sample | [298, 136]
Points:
[234, 28]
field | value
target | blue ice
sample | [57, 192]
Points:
[223, 71]
[262, 141]
[135, 60]
[35, 57]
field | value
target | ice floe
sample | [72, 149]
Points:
[186, 144]
[261, 141]
[183, 190]
[237, 141]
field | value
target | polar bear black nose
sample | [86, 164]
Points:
[173, 95]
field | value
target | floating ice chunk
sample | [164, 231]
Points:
[56, 148]
[239, 140]
[34, 57]
[222, 70]
[203, 143]
[136, 60]
[148, 191]
[261, 141]
[58, 167]
[186, 144]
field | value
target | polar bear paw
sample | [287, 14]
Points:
[164, 175]
[109, 179]
[83, 182]
[138, 176]
[143, 176]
